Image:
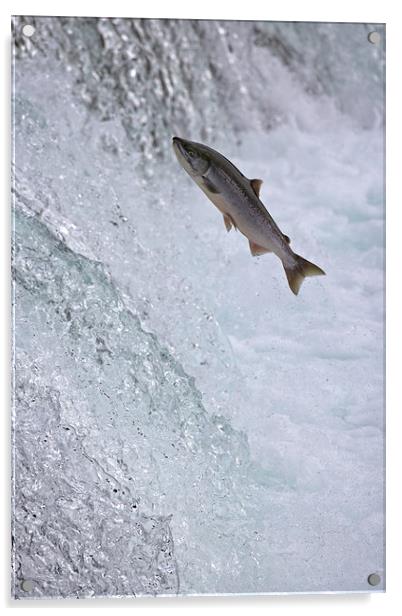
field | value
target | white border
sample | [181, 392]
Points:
[285, 10]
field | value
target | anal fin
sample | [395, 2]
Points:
[257, 250]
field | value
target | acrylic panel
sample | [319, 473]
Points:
[195, 410]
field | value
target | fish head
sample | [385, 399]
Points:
[192, 156]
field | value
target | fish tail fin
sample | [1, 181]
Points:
[297, 272]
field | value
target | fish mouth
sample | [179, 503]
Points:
[178, 145]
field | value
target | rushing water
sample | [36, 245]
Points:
[183, 423]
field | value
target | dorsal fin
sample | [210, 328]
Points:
[286, 238]
[256, 186]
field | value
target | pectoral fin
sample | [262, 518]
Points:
[257, 250]
[256, 186]
[229, 223]
[209, 186]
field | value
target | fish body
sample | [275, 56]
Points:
[237, 198]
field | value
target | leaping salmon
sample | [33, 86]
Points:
[237, 198]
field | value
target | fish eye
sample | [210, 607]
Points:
[191, 153]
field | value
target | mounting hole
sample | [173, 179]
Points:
[374, 579]
[374, 38]
[27, 585]
[28, 30]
